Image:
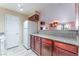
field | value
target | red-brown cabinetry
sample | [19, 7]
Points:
[34, 17]
[62, 49]
[46, 47]
[37, 45]
[32, 42]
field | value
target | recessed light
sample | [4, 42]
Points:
[20, 7]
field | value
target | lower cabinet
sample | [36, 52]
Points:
[37, 45]
[62, 49]
[60, 52]
[46, 50]
[46, 47]
[32, 42]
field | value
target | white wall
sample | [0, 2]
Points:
[1, 22]
[64, 12]
[22, 18]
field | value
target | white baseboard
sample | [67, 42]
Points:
[13, 47]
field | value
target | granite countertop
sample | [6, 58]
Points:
[72, 41]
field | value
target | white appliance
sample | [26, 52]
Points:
[30, 27]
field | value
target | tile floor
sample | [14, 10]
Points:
[20, 51]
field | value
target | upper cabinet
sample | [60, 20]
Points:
[34, 17]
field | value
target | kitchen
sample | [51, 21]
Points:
[49, 29]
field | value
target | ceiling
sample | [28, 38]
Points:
[28, 7]
[48, 11]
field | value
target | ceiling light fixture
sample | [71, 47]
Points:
[20, 6]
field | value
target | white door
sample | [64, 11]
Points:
[12, 31]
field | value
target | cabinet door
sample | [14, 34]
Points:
[37, 45]
[47, 47]
[61, 52]
[32, 42]
[62, 49]
[67, 47]
[46, 50]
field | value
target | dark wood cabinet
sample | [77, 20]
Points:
[34, 17]
[32, 42]
[62, 49]
[46, 47]
[41, 46]
[37, 45]
[46, 50]
[60, 52]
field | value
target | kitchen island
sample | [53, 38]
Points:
[50, 45]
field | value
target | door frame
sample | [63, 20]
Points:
[6, 27]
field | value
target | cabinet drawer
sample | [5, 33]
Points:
[44, 40]
[67, 47]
